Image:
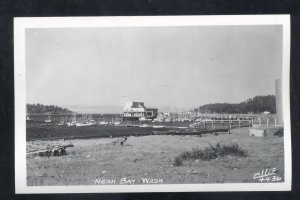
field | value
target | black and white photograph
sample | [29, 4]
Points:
[157, 103]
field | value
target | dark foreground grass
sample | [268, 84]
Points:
[211, 152]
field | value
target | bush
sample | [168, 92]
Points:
[212, 152]
[279, 132]
[178, 161]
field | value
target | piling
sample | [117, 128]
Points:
[279, 105]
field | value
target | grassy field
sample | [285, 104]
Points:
[153, 157]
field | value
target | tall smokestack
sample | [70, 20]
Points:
[278, 97]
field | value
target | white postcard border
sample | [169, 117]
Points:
[20, 25]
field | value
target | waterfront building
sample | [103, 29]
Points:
[138, 110]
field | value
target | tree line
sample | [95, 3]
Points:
[46, 109]
[257, 104]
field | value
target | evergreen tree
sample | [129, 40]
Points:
[46, 109]
[257, 104]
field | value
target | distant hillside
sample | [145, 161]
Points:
[96, 109]
[257, 104]
[46, 109]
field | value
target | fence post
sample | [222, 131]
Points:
[268, 122]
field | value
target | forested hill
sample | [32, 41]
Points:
[257, 104]
[46, 109]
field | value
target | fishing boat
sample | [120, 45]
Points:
[144, 126]
[62, 122]
[157, 126]
[81, 124]
[48, 120]
[144, 119]
[117, 123]
[86, 120]
[73, 121]
[103, 123]
[92, 122]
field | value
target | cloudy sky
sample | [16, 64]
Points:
[176, 67]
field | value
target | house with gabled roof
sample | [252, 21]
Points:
[137, 110]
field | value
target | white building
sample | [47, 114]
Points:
[137, 110]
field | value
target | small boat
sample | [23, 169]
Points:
[62, 122]
[48, 120]
[92, 122]
[89, 122]
[144, 126]
[80, 124]
[129, 125]
[157, 120]
[117, 123]
[103, 123]
[144, 119]
[156, 126]
[73, 121]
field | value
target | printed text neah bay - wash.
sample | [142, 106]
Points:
[127, 181]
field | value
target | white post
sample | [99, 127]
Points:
[268, 122]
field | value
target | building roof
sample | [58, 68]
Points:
[154, 109]
[137, 105]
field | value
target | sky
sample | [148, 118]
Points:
[165, 67]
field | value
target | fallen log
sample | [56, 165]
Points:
[58, 150]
